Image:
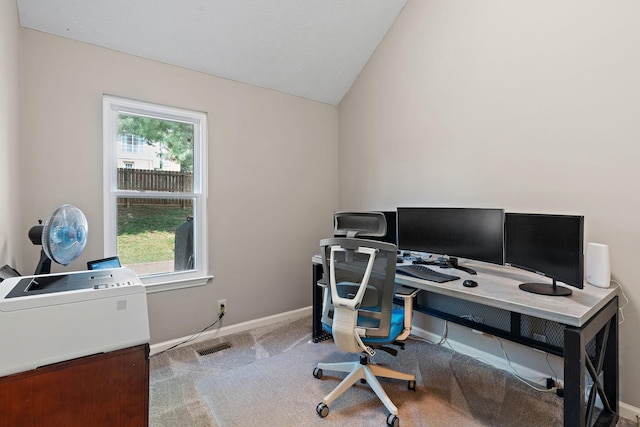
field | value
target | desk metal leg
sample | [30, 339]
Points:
[602, 368]
[318, 334]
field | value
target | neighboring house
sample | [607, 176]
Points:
[135, 153]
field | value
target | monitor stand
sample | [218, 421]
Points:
[444, 262]
[551, 289]
[452, 262]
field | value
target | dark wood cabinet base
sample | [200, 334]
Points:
[107, 389]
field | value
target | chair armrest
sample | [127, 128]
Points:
[407, 294]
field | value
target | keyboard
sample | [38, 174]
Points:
[423, 272]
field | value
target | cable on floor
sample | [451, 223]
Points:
[193, 337]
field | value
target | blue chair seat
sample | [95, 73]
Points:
[396, 327]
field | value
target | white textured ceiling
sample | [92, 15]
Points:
[311, 48]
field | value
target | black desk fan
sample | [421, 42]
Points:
[63, 237]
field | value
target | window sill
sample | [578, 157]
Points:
[171, 285]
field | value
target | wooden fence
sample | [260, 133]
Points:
[152, 180]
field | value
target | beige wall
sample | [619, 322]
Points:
[272, 173]
[9, 207]
[529, 106]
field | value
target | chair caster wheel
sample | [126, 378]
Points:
[322, 409]
[317, 372]
[393, 421]
[412, 385]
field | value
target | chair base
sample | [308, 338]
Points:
[364, 371]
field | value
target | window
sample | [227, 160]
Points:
[155, 206]
[131, 143]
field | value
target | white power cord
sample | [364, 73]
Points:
[623, 305]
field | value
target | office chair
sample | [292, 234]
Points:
[358, 311]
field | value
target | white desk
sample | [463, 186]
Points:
[588, 315]
[498, 287]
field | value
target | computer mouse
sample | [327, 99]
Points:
[469, 283]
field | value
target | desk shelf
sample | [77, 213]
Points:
[542, 334]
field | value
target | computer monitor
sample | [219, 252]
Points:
[550, 245]
[470, 233]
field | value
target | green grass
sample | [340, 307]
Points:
[147, 233]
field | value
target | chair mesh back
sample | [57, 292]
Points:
[375, 309]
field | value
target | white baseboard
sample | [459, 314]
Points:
[629, 412]
[232, 329]
[626, 411]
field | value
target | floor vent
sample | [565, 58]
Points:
[214, 349]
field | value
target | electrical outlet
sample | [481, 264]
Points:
[222, 306]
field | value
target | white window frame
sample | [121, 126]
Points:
[112, 106]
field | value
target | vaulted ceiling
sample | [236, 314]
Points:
[310, 48]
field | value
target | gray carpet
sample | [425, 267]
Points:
[265, 379]
[281, 391]
[175, 400]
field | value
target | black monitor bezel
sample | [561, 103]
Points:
[497, 252]
[578, 280]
